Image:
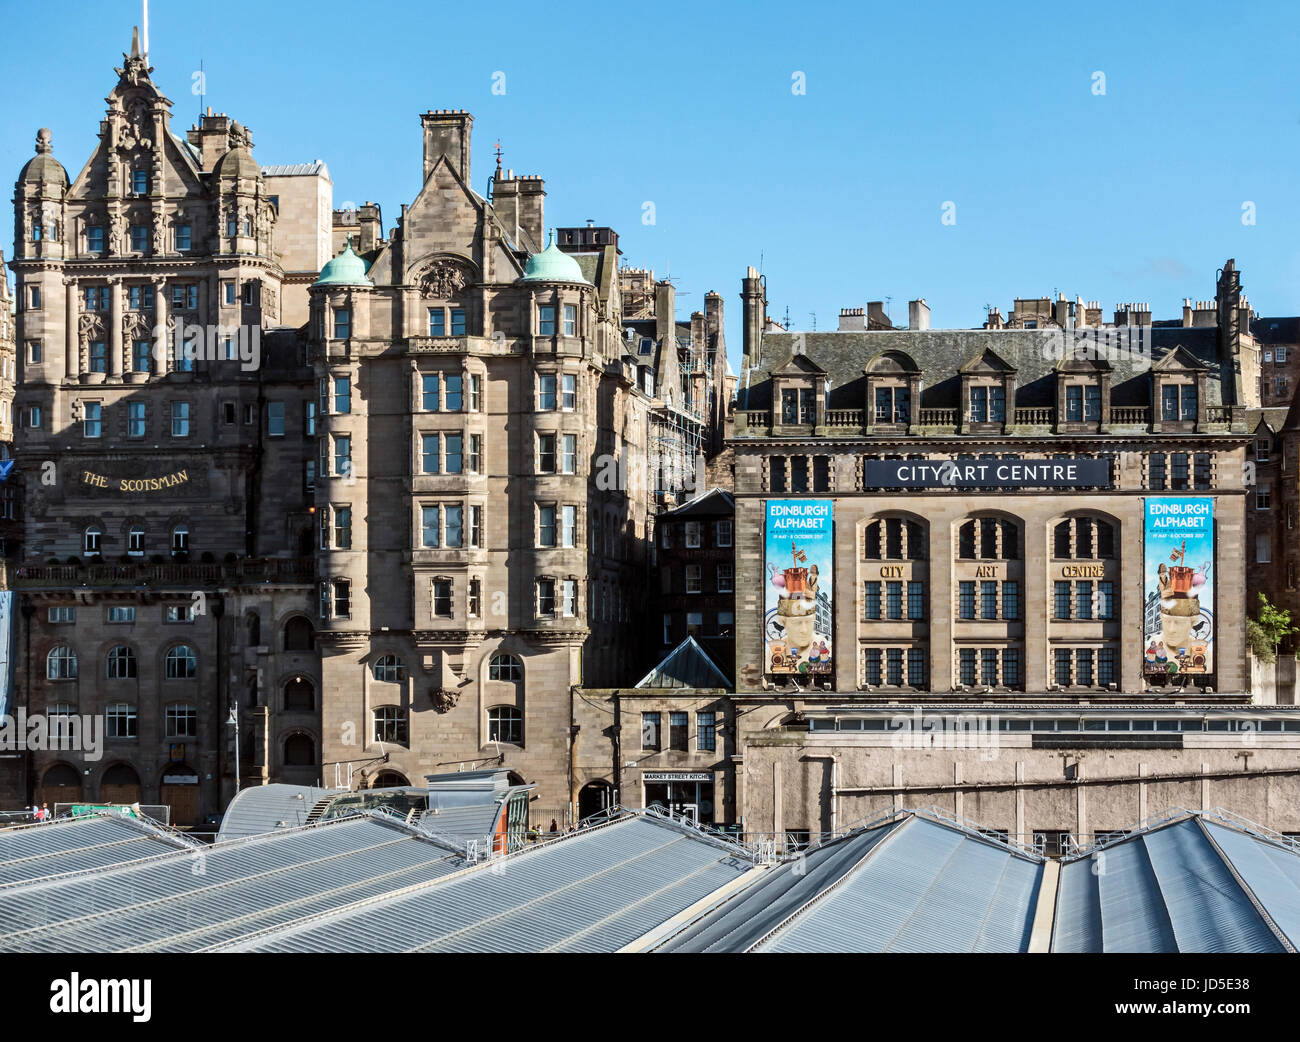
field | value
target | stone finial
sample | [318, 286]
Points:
[44, 144]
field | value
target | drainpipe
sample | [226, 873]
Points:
[28, 610]
[574, 729]
[616, 745]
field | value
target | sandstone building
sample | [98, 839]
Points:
[165, 566]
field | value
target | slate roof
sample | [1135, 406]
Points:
[716, 502]
[942, 353]
[1268, 331]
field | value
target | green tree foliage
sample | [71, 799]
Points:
[1265, 633]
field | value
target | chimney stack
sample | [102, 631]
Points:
[446, 133]
[918, 314]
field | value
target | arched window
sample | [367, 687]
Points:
[61, 663]
[506, 724]
[121, 663]
[1083, 538]
[182, 663]
[894, 539]
[988, 539]
[254, 622]
[391, 724]
[299, 694]
[389, 780]
[181, 539]
[90, 541]
[299, 751]
[298, 634]
[135, 541]
[390, 669]
[505, 667]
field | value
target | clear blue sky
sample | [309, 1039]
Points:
[1133, 195]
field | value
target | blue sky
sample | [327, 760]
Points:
[837, 193]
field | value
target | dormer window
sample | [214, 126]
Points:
[140, 182]
[1082, 403]
[893, 405]
[988, 405]
[95, 239]
[988, 383]
[893, 389]
[1178, 402]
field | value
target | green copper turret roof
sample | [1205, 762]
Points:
[552, 265]
[347, 269]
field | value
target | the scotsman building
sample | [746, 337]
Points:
[165, 571]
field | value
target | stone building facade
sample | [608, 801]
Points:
[988, 490]
[481, 492]
[162, 456]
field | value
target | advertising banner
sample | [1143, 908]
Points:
[799, 557]
[1178, 601]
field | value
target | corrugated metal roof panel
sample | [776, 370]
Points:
[758, 909]
[1164, 890]
[197, 898]
[33, 852]
[1208, 909]
[265, 808]
[316, 166]
[1271, 871]
[926, 888]
[592, 891]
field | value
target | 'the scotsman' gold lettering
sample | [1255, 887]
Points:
[178, 477]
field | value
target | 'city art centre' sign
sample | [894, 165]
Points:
[1071, 472]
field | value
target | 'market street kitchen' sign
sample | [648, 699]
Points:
[1080, 472]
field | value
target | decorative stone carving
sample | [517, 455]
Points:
[118, 238]
[444, 700]
[90, 327]
[445, 279]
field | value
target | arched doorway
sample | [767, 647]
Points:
[389, 780]
[180, 792]
[120, 784]
[61, 784]
[595, 797]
